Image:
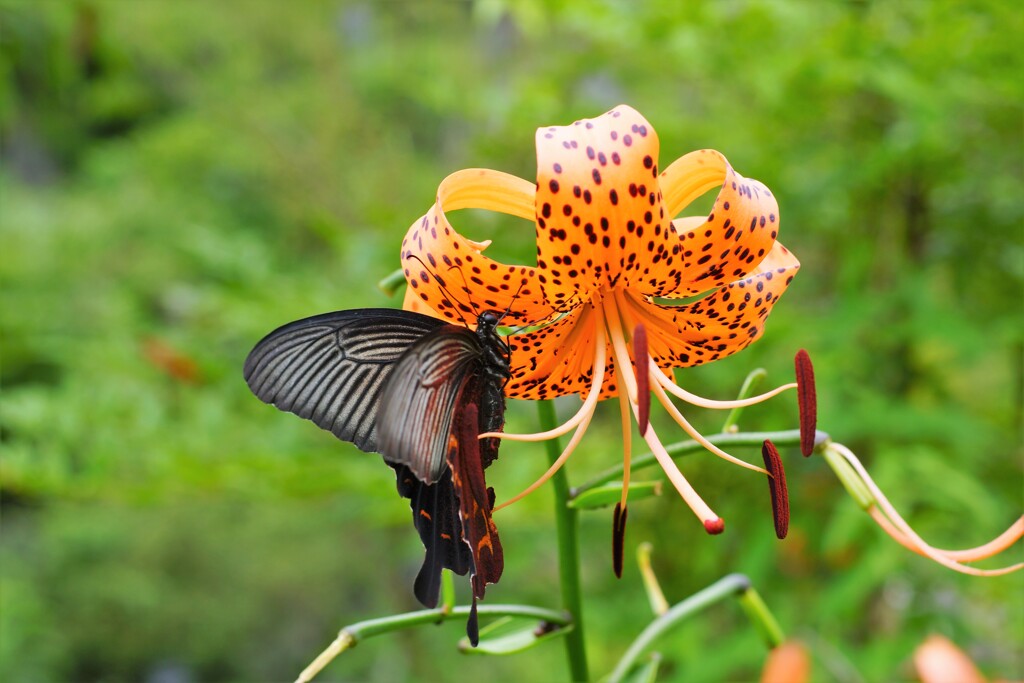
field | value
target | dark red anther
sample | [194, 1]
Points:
[777, 488]
[807, 397]
[643, 389]
[714, 526]
[473, 625]
[618, 537]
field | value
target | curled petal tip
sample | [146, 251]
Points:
[714, 526]
[643, 392]
[807, 397]
[777, 488]
[618, 537]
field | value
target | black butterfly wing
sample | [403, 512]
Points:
[412, 388]
[437, 402]
[332, 368]
[420, 399]
[435, 513]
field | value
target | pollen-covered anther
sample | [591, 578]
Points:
[643, 391]
[777, 488]
[807, 398]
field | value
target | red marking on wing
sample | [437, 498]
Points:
[474, 500]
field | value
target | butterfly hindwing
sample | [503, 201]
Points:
[435, 514]
[476, 500]
[331, 368]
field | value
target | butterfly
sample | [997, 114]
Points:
[419, 391]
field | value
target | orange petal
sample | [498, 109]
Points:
[938, 660]
[726, 245]
[600, 219]
[414, 303]
[557, 359]
[450, 274]
[788, 663]
[721, 323]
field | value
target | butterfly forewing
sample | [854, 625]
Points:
[419, 400]
[331, 368]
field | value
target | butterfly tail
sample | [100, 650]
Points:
[435, 514]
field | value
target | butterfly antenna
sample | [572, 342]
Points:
[511, 303]
[465, 288]
[449, 297]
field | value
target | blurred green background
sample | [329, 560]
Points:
[178, 178]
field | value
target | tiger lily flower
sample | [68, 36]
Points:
[609, 252]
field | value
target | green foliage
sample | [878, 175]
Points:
[179, 178]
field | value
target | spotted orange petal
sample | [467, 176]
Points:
[412, 302]
[436, 258]
[600, 217]
[718, 325]
[557, 359]
[726, 245]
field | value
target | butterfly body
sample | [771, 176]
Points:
[418, 391]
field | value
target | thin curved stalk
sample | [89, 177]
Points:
[723, 588]
[352, 635]
[755, 439]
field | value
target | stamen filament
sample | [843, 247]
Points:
[585, 414]
[702, 402]
[696, 503]
[712, 522]
[586, 409]
[633, 315]
[555, 466]
[697, 436]
[621, 511]
[643, 376]
[622, 360]
[627, 442]
[910, 535]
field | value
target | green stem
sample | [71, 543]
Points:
[567, 523]
[351, 635]
[447, 591]
[390, 284]
[752, 380]
[786, 438]
[761, 617]
[850, 479]
[721, 589]
[375, 627]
